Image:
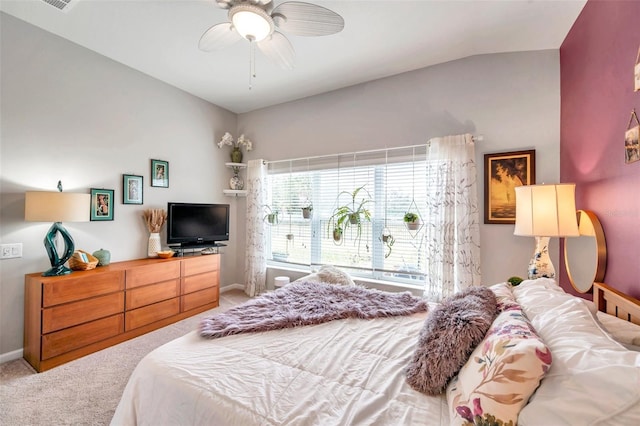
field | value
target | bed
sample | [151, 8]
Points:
[353, 371]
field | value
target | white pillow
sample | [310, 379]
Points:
[329, 274]
[622, 331]
[593, 379]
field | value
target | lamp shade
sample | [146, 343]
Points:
[44, 206]
[546, 210]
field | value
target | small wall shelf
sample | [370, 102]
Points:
[235, 192]
[238, 165]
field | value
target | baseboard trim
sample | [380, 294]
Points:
[11, 356]
[231, 287]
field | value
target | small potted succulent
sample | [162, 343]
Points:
[271, 216]
[412, 221]
[337, 234]
[388, 241]
[307, 211]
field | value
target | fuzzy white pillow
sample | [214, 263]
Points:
[329, 274]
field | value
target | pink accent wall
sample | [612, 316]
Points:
[597, 59]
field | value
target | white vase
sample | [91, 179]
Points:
[154, 245]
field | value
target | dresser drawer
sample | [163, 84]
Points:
[155, 273]
[199, 282]
[152, 313]
[198, 265]
[70, 314]
[80, 286]
[199, 298]
[142, 296]
[72, 338]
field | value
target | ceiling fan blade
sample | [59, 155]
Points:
[306, 19]
[218, 37]
[279, 49]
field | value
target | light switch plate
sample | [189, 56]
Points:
[10, 251]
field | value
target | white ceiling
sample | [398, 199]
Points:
[380, 38]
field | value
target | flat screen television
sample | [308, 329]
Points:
[191, 224]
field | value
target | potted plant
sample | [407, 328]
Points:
[307, 211]
[337, 234]
[388, 241]
[353, 213]
[271, 216]
[412, 221]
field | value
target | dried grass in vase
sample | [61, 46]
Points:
[155, 219]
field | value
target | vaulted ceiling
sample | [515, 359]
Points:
[380, 38]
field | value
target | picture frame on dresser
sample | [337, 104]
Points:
[160, 173]
[132, 189]
[504, 171]
[101, 204]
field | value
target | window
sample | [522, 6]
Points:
[395, 182]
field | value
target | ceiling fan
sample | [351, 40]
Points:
[256, 21]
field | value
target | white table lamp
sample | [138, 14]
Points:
[545, 211]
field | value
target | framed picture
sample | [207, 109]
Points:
[160, 173]
[632, 145]
[131, 189]
[636, 73]
[502, 173]
[101, 204]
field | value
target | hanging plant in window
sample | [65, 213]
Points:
[386, 237]
[412, 221]
[411, 218]
[351, 214]
[388, 241]
[307, 211]
[271, 216]
[337, 235]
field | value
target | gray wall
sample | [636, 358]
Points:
[71, 114]
[512, 99]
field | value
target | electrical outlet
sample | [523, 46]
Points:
[10, 251]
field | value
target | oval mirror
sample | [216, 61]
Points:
[585, 256]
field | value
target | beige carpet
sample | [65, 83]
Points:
[85, 391]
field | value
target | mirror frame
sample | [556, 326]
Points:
[601, 248]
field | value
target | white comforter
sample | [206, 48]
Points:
[351, 372]
[343, 372]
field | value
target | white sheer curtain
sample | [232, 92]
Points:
[255, 269]
[452, 222]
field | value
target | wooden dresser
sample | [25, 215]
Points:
[71, 316]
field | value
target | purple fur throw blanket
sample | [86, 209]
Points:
[308, 303]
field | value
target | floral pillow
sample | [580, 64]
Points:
[504, 295]
[502, 373]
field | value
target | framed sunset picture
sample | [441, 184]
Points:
[502, 173]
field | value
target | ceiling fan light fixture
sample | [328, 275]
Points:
[251, 22]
